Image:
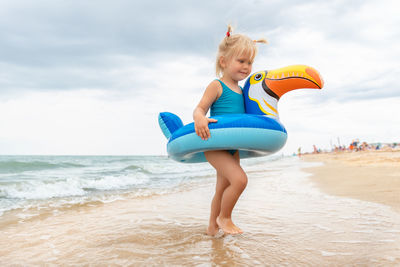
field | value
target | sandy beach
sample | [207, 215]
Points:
[366, 175]
[286, 218]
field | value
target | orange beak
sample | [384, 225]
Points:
[281, 81]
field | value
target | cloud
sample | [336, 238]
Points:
[119, 63]
[75, 45]
[356, 54]
[67, 45]
[330, 123]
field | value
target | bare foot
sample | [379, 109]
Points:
[228, 226]
[212, 230]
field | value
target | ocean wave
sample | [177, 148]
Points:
[29, 180]
[33, 190]
[136, 168]
[21, 166]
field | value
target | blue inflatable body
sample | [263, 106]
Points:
[256, 133]
[252, 135]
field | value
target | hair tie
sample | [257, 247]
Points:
[228, 34]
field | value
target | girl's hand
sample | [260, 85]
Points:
[201, 127]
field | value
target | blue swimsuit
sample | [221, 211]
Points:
[229, 102]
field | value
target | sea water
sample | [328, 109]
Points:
[31, 181]
[152, 211]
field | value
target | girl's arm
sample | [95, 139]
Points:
[211, 94]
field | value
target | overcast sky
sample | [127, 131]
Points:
[90, 77]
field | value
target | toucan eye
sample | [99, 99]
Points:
[258, 76]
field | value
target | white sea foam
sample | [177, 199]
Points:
[24, 180]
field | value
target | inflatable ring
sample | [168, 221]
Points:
[256, 133]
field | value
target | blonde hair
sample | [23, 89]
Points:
[235, 45]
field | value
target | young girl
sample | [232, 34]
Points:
[234, 62]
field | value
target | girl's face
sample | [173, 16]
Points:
[238, 67]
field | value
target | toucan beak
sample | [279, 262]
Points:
[281, 81]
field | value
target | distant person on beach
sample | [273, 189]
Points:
[224, 96]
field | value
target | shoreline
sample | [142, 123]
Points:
[286, 220]
[372, 176]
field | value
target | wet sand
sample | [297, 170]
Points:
[287, 221]
[367, 175]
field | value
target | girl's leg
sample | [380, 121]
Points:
[222, 183]
[229, 167]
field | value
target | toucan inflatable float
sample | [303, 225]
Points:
[256, 133]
